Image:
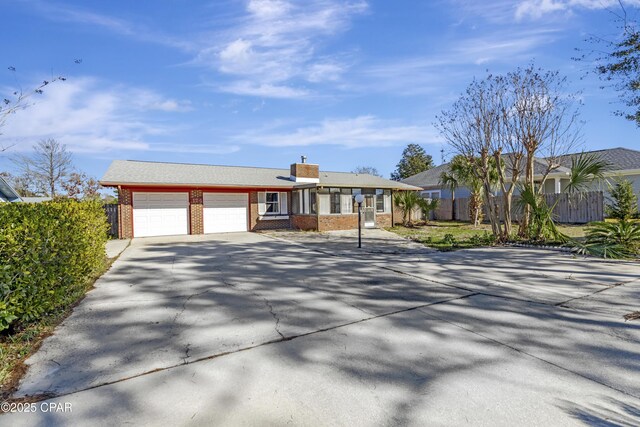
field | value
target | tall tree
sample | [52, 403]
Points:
[367, 170]
[79, 186]
[414, 160]
[471, 127]
[510, 121]
[617, 62]
[47, 166]
[541, 119]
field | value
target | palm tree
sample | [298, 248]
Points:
[407, 201]
[426, 206]
[450, 180]
[461, 173]
[586, 168]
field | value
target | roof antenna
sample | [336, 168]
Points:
[304, 159]
[442, 155]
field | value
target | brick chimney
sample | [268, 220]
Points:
[305, 172]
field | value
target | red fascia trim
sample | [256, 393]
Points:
[180, 189]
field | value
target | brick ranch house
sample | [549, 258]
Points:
[158, 199]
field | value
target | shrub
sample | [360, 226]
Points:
[624, 203]
[541, 225]
[449, 239]
[47, 253]
[613, 239]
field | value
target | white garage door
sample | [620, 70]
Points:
[225, 212]
[160, 214]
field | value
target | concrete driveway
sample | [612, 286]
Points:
[299, 328]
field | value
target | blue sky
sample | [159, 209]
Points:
[261, 82]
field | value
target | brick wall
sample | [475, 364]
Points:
[349, 221]
[337, 222]
[304, 222]
[196, 211]
[256, 224]
[125, 213]
[383, 220]
[305, 170]
[272, 224]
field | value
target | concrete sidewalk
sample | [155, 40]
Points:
[115, 247]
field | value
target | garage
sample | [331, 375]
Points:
[160, 214]
[225, 212]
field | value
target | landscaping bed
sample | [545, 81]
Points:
[454, 235]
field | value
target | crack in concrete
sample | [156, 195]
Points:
[615, 285]
[186, 352]
[275, 316]
[47, 396]
[530, 355]
[266, 301]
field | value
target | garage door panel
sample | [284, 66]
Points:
[225, 212]
[160, 214]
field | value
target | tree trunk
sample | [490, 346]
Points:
[526, 214]
[453, 204]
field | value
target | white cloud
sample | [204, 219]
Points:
[362, 131]
[268, 8]
[538, 8]
[276, 44]
[265, 90]
[89, 117]
[62, 13]
[454, 62]
[504, 11]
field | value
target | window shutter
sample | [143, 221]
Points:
[284, 208]
[262, 203]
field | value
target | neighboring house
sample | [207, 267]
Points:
[7, 193]
[171, 198]
[625, 163]
[37, 199]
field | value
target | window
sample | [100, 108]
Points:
[296, 196]
[431, 194]
[334, 200]
[346, 201]
[273, 203]
[379, 200]
[305, 201]
[312, 201]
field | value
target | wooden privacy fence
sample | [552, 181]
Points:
[578, 208]
[112, 219]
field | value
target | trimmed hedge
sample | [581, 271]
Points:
[48, 251]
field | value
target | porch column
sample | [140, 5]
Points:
[558, 186]
[196, 211]
[125, 213]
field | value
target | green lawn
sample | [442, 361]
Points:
[452, 235]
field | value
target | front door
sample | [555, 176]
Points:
[369, 209]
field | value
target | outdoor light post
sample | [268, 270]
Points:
[359, 198]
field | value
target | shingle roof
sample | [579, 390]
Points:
[428, 178]
[123, 172]
[619, 158]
